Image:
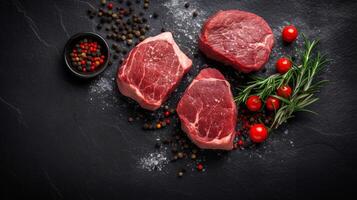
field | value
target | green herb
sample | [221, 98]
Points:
[301, 78]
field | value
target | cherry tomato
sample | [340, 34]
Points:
[290, 33]
[283, 65]
[254, 103]
[284, 91]
[272, 103]
[258, 133]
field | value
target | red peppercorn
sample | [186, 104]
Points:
[238, 132]
[167, 121]
[167, 113]
[110, 6]
[240, 142]
[199, 167]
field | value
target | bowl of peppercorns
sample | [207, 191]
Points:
[86, 54]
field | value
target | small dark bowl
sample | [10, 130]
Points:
[73, 41]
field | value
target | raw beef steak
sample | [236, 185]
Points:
[208, 112]
[152, 71]
[240, 39]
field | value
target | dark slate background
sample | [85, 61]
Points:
[61, 140]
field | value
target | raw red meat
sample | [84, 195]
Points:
[208, 112]
[237, 38]
[152, 71]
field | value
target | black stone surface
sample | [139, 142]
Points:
[61, 139]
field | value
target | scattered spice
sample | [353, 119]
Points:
[121, 23]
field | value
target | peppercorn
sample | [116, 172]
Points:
[195, 14]
[129, 42]
[180, 154]
[158, 125]
[103, 2]
[167, 113]
[193, 156]
[180, 174]
[155, 15]
[146, 126]
[146, 5]
[137, 34]
[141, 38]
[187, 5]
[199, 167]
[163, 124]
[110, 6]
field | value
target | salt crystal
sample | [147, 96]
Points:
[154, 161]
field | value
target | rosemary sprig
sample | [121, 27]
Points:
[301, 78]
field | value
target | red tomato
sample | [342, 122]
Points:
[253, 103]
[290, 33]
[284, 91]
[272, 103]
[258, 133]
[283, 65]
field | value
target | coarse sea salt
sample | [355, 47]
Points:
[155, 161]
[101, 86]
[184, 25]
[102, 91]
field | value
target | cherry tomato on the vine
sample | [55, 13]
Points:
[284, 91]
[289, 33]
[272, 103]
[283, 65]
[254, 103]
[258, 133]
